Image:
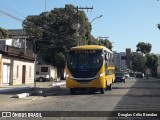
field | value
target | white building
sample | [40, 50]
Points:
[15, 66]
[122, 61]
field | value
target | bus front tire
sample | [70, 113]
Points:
[110, 87]
[102, 90]
[72, 91]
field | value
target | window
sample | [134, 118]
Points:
[44, 69]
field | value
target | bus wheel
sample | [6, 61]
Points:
[102, 90]
[106, 87]
[72, 91]
[110, 87]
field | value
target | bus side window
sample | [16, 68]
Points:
[107, 72]
[106, 66]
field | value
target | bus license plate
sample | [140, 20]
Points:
[83, 84]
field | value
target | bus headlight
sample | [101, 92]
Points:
[67, 76]
[100, 75]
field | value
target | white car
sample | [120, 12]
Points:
[126, 75]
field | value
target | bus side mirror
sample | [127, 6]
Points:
[106, 57]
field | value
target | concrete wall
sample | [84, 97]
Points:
[52, 71]
[0, 70]
[16, 70]
[29, 77]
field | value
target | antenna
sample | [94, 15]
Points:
[45, 5]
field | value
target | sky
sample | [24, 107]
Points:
[125, 22]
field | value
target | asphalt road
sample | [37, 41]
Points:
[134, 95]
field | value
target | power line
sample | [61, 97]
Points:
[11, 10]
[11, 16]
[100, 26]
[7, 22]
[10, 13]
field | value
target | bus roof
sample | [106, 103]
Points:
[91, 47]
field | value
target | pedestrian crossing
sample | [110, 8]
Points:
[149, 103]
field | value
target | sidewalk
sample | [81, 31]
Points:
[26, 87]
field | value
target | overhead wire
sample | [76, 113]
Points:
[6, 22]
[100, 26]
[75, 2]
[11, 15]
[11, 10]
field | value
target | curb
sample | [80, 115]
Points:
[22, 95]
[57, 84]
[13, 89]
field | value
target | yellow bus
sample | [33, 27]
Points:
[90, 66]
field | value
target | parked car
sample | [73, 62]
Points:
[126, 74]
[46, 73]
[139, 75]
[132, 74]
[42, 78]
[119, 77]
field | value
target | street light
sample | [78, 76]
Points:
[96, 18]
[158, 25]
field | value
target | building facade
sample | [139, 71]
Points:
[15, 66]
[128, 57]
[119, 62]
[19, 37]
[158, 67]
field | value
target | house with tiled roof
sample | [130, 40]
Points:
[16, 60]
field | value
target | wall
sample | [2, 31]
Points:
[17, 78]
[52, 71]
[16, 70]
[0, 70]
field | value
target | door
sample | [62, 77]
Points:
[6, 73]
[23, 74]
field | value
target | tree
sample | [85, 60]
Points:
[144, 47]
[138, 62]
[152, 63]
[56, 28]
[158, 26]
[93, 41]
[106, 43]
[3, 33]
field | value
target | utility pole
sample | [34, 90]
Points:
[78, 24]
[83, 8]
[101, 38]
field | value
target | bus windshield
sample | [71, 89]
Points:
[85, 59]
